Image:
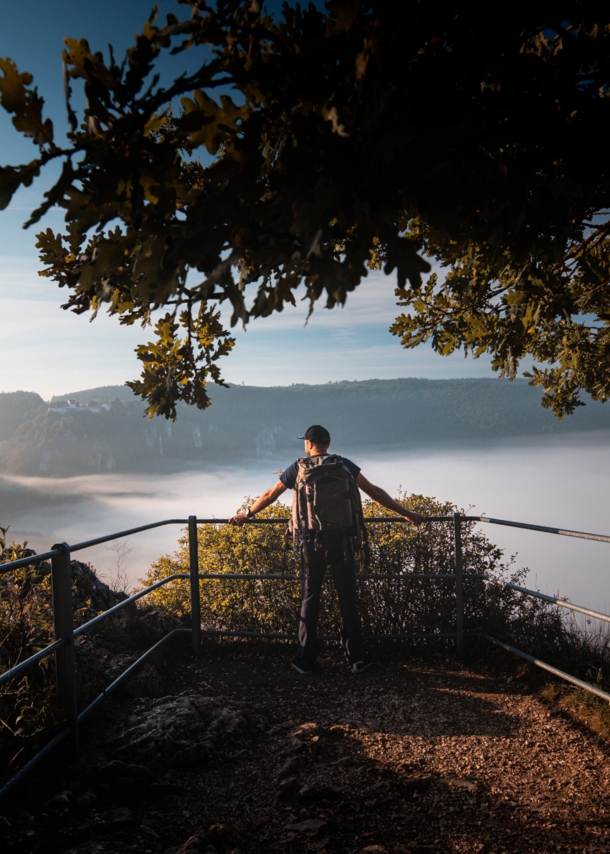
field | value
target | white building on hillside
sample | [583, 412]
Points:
[64, 406]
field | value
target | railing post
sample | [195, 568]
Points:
[459, 586]
[61, 582]
[194, 570]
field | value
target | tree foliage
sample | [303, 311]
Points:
[366, 134]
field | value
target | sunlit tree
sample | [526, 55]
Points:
[336, 140]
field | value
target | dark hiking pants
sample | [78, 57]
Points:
[340, 558]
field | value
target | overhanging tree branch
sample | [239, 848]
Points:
[364, 135]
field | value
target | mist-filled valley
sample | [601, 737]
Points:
[555, 480]
[103, 430]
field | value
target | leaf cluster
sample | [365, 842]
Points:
[366, 134]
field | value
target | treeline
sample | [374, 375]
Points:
[247, 422]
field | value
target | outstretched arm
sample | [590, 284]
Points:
[381, 497]
[261, 502]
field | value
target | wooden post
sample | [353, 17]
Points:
[459, 586]
[195, 595]
[61, 582]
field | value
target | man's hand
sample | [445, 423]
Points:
[261, 502]
[413, 517]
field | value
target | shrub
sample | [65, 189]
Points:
[398, 605]
[27, 705]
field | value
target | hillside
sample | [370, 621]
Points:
[247, 422]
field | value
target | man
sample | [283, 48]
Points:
[331, 549]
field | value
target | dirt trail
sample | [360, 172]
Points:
[245, 755]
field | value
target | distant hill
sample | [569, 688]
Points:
[104, 394]
[16, 409]
[247, 422]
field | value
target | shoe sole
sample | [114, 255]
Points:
[362, 669]
[301, 672]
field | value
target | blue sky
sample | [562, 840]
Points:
[50, 351]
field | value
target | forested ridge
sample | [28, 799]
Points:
[248, 422]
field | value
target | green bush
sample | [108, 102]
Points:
[398, 605]
[27, 705]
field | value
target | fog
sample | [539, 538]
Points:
[558, 481]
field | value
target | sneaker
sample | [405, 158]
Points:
[304, 671]
[360, 666]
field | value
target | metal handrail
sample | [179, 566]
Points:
[564, 532]
[87, 544]
[129, 672]
[396, 576]
[27, 561]
[18, 669]
[553, 599]
[68, 731]
[554, 670]
[63, 646]
[280, 636]
[39, 558]
[125, 603]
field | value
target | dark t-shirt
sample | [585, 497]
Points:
[289, 475]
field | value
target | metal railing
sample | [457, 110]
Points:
[65, 633]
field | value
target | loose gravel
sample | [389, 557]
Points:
[406, 757]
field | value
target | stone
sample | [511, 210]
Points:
[182, 731]
[193, 845]
[417, 782]
[307, 730]
[309, 793]
[60, 801]
[165, 789]
[148, 831]
[295, 763]
[309, 827]
[344, 762]
[374, 849]
[118, 817]
[221, 835]
[104, 791]
[118, 769]
[90, 595]
[145, 682]
[85, 801]
[317, 793]
[90, 848]
[462, 784]
[287, 787]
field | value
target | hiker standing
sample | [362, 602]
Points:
[328, 523]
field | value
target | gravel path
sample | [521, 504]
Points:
[246, 755]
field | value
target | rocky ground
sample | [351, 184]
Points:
[238, 753]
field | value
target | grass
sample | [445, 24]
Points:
[589, 710]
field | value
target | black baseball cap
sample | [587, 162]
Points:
[317, 434]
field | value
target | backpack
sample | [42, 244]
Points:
[326, 498]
